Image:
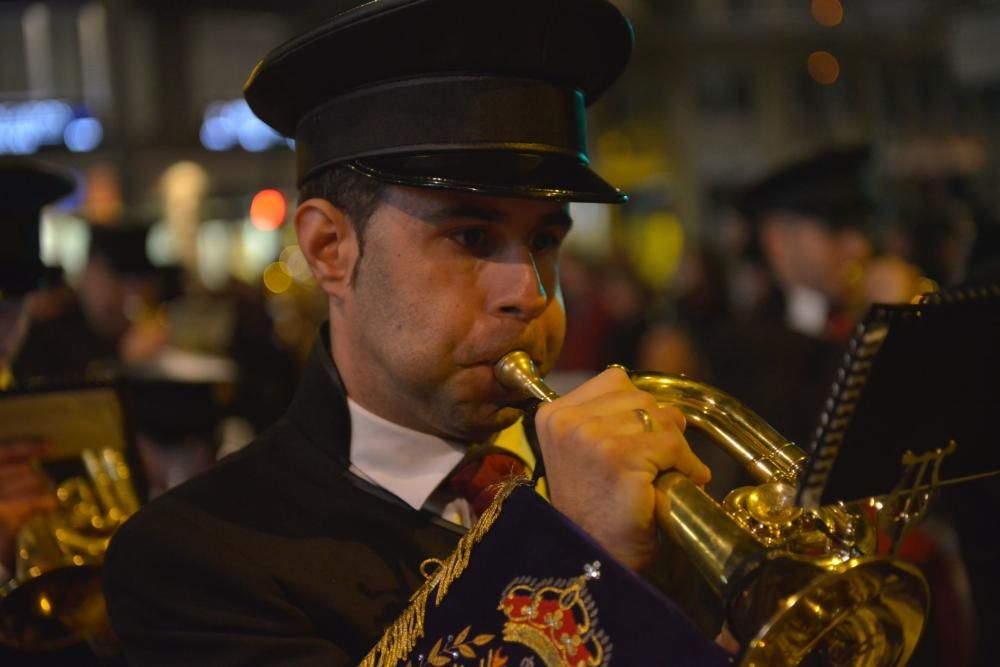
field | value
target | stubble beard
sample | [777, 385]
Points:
[402, 381]
[476, 423]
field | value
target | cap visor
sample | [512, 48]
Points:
[495, 173]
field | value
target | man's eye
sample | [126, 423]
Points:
[545, 241]
[474, 239]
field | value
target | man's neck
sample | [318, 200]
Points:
[362, 386]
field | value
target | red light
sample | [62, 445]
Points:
[267, 210]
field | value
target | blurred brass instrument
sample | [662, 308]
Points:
[55, 598]
[798, 587]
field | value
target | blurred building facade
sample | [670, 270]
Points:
[729, 88]
[718, 91]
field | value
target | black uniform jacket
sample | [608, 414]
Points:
[277, 555]
[783, 375]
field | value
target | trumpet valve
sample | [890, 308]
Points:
[768, 511]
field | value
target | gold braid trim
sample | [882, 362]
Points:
[400, 638]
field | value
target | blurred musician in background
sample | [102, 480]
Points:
[90, 337]
[25, 187]
[808, 220]
[25, 491]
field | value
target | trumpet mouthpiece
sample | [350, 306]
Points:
[516, 371]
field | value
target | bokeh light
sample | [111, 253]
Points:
[267, 210]
[828, 13]
[823, 67]
[27, 127]
[83, 134]
[296, 264]
[276, 278]
[228, 124]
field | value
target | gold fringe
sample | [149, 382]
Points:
[400, 638]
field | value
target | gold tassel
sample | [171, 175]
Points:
[400, 638]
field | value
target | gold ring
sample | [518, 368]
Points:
[647, 421]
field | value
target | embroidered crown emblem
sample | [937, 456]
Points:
[557, 619]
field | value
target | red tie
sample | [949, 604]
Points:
[839, 325]
[479, 480]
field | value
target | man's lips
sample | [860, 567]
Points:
[492, 359]
[506, 396]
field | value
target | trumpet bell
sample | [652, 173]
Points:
[869, 611]
[55, 598]
[55, 610]
[788, 608]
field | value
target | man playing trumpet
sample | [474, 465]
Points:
[439, 143]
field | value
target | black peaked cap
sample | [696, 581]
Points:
[479, 95]
[26, 185]
[123, 246]
[831, 186]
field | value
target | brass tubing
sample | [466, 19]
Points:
[765, 454]
[121, 481]
[100, 478]
[714, 542]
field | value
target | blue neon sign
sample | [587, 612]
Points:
[230, 125]
[26, 127]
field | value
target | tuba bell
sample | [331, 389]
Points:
[799, 587]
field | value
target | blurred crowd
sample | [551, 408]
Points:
[761, 309]
[202, 369]
[765, 309]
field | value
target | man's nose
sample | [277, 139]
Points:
[854, 244]
[519, 289]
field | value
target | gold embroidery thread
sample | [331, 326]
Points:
[400, 638]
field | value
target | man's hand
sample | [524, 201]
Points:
[601, 462]
[143, 340]
[24, 490]
[727, 641]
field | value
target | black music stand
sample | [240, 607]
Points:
[919, 383]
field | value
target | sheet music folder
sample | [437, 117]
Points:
[914, 378]
[70, 419]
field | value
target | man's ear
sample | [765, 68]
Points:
[775, 233]
[771, 237]
[329, 243]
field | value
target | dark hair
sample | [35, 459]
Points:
[354, 193]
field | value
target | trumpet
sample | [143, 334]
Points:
[55, 598]
[797, 586]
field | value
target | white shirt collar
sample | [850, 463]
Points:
[407, 463]
[806, 310]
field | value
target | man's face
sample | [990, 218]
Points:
[13, 326]
[804, 251]
[107, 296]
[102, 296]
[448, 284]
